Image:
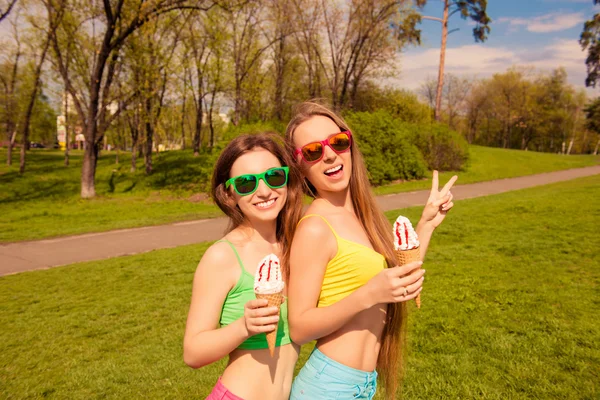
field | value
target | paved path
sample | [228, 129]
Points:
[42, 254]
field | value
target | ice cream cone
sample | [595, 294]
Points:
[404, 257]
[275, 300]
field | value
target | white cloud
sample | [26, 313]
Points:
[482, 61]
[553, 22]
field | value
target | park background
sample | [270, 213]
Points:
[113, 118]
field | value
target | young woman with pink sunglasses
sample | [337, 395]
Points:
[342, 289]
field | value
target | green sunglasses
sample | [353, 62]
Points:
[246, 184]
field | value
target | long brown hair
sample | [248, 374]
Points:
[292, 210]
[379, 231]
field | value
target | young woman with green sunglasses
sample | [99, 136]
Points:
[258, 188]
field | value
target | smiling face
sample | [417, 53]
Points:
[265, 203]
[332, 172]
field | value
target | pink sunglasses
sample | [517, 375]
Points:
[314, 151]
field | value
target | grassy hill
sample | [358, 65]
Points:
[45, 202]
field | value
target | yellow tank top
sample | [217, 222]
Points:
[353, 265]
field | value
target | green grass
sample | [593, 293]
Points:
[490, 163]
[510, 310]
[45, 202]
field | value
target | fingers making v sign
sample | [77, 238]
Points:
[439, 202]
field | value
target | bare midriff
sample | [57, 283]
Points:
[357, 343]
[255, 375]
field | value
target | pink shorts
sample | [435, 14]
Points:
[220, 392]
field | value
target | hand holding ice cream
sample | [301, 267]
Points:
[406, 244]
[269, 285]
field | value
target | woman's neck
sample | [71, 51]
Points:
[341, 199]
[265, 231]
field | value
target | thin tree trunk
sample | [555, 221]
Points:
[134, 148]
[29, 111]
[66, 128]
[596, 149]
[88, 169]
[183, 115]
[149, 137]
[11, 145]
[570, 146]
[440, 85]
[198, 130]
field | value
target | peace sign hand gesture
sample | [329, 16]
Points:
[438, 203]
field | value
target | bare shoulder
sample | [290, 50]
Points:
[314, 229]
[219, 256]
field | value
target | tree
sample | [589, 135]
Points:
[590, 41]
[455, 92]
[99, 34]
[9, 76]
[472, 9]
[37, 64]
[359, 46]
[306, 23]
[6, 8]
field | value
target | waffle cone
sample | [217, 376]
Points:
[404, 257]
[275, 300]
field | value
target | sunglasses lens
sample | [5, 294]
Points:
[245, 184]
[276, 177]
[312, 151]
[340, 142]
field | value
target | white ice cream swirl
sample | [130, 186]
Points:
[268, 279]
[405, 237]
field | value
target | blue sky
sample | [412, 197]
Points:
[539, 33]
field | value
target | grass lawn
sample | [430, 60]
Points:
[489, 163]
[45, 201]
[510, 310]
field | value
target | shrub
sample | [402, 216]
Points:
[443, 148]
[234, 131]
[389, 154]
[400, 104]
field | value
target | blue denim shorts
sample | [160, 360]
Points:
[322, 378]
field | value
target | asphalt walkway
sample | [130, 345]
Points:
[42, 254]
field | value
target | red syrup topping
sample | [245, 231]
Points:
[398, 234]
[260, 272]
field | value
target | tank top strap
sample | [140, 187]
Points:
[234, 252]
[324, 220]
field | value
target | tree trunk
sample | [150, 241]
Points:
[596, 149]
[198, 130]
[183, 116]
[440, 85]
[88, 170]
[11, 145]
[149, 138]
[570, 147]
[133, 154]
[66, 128]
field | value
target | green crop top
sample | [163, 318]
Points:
[354, 265]
[233, 309]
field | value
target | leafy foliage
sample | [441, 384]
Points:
[386, 147]
[590, 41]
[442, 148]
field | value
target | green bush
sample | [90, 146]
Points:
[443, 148]
[400, 104]
[234, 131]
[386, 147]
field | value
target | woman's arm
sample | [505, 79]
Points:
[438, 205]
[313, 246]
[204, 342]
